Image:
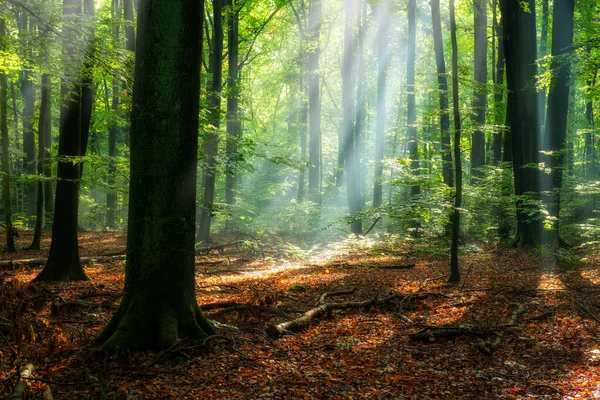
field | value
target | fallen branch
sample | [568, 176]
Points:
[405, 266]
[276, 331]
[214, 306]
[588, 312]
[432, 333]
[21, 387]
[33, 262]
[219, 248]
[325, 295]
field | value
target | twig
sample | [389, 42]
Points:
[588, 312]
[8, 344]
[54, 382]
[372, 226]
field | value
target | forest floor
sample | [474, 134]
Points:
[520, 325]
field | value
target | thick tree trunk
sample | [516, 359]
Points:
[454, 267]
[438, 48]
[558, 104]
[159, 302]
[211, 134]
[10, 241]
[521, 70]
[314, 101]
[383, 60]
[63, 261]
[233, 118]
[411, 120]
[479, 97]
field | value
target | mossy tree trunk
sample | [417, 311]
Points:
[159, 302]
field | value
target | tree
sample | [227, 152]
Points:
[314, 101]
[498, 77]
[63, 261]
[558, 104]
[233, 120]
[411, 107]
[383, 60]
[28, 101]
[159, 302]
[454, 267]
[443, 93]
[349, 79]
[44, 130]
[479, 97]
[211, 135]
[521, 70]
[10, 233]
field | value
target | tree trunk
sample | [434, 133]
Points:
[159, 301]
[211, 134]
[129, 26]
[27, 96]
[558, 104]
[45, 124]
[10, 241]
[542, 54]
[63, 261]
[521, 70]
[438, 47]
[382, 19]
[233, 119]
[349, 78]
[454, 267]
[479, 97]
[411, 120]
[303, 139]
[113, 129]
[499, 102]
[314, 101]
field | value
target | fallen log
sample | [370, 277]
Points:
[276, 331]
[33, 262]
[21, 387]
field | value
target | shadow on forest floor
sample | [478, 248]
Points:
[527, 328]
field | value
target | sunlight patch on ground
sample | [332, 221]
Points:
[550, 281]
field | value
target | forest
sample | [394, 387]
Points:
[299, 199]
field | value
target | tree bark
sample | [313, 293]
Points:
[27, 96]
[45, 124]
[159, 302]
[480, 95]
[233, 119]
[521, 70]
[438, 48]
[383, 60]
[454, 266]
[314, 100]
[63, 261]
[113, 128]
[558, 104]
[499, 103]
[411, 119]
[211, 134]
[10, 240]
